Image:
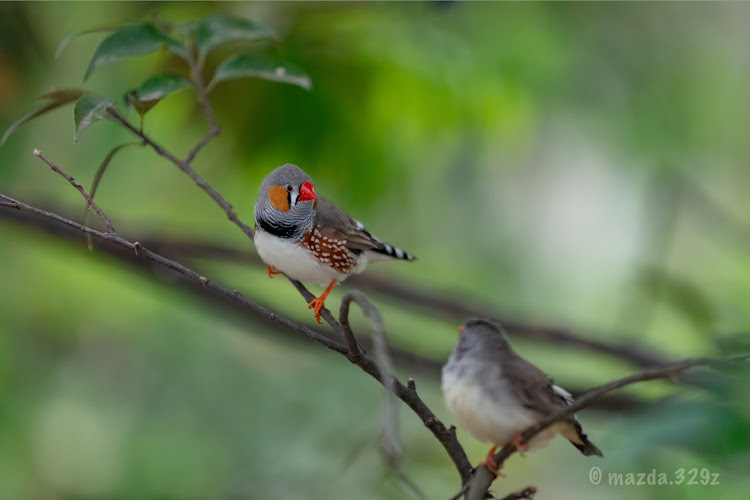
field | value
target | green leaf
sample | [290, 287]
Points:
[54, 100]
[132, 102]
[70, 36]
[152, 91]
[159, 86]
[216, 30]
[95, 185]
[136, 40]
[268, 68]
[89, 109]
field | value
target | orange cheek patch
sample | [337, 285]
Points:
[279, 197]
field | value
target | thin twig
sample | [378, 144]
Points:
[483, 478]
[201, 144]
[187, 169]
[355, 351]
[389, 436]
[390, 440]
[72, 181]
[461, 492]
[408, 395]
[410, 486]
[202, 91]
[526, 493]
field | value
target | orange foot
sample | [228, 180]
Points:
[317, 304]
[272, 271]
[489, 462]
[516, 441]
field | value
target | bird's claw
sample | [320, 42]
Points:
[272, 271]
[316, 305]
[489, 462]
[517, 441]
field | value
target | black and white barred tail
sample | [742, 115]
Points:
[385, 248]
[394, 252]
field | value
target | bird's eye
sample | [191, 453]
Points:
[289, 187]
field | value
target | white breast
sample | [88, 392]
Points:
[294, 260]
[490, 418]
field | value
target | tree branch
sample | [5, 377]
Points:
[446, 437]
[401, 294]
[526, 493]
[483, 478]
[187, 169]
[72, 181]
[176, 251]
[140, 251]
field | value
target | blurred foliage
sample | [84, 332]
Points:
[574, 164]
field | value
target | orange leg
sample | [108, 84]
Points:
[317, 304]
[272, 271]
[516, 441]
[489, 462]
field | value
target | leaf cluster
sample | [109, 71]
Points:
[191, 42]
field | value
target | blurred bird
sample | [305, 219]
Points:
[308, 238]
[495, 394]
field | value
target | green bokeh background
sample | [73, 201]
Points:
[582, 165]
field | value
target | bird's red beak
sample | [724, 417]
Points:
[461, 329]
[306, 192]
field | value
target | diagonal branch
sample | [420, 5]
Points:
[446, 437]
[187, 169]
[483, 478]
[72, 181]
[140, 251]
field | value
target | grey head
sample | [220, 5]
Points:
[286, 203]
[482, 339]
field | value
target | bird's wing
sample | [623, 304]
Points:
[536, 391]
[334, 222]
[534, 388]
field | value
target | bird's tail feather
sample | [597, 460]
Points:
[588, 448]
[580, 440]
[394, 252]
[387, 249]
